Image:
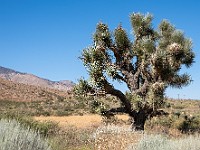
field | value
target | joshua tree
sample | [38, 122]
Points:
[147, 65]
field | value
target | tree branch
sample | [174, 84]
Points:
[111, 90]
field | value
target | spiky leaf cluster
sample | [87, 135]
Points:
[83, 87]
[121, 39]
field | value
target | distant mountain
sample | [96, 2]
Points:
[30, 79]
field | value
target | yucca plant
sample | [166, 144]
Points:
[148, 64]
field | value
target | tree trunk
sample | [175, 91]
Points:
[139, 120]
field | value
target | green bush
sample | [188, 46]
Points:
[15, 137]
[189, 125]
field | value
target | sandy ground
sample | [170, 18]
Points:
[84, 121]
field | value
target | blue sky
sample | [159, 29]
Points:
[46, 37]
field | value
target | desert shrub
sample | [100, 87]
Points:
[159, 142]
[184, 124]
[177, 113]
[80, 105]
[164, 121]
[189, 125]
[63, 113]
[43, 128]
[45, 113]
[15, 136]
[167, 105]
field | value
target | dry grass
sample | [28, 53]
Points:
[76, 121]
[115, 137]
[99, 136]
[81, 122]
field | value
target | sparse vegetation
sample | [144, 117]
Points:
[175, 125]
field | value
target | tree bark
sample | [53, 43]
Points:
[139, 120]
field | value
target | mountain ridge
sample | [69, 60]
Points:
[31, 79]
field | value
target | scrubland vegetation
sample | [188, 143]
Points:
[178, 130]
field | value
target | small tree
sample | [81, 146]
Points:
[147, 65]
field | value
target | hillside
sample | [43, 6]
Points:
[31, 79]
[21, 92]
